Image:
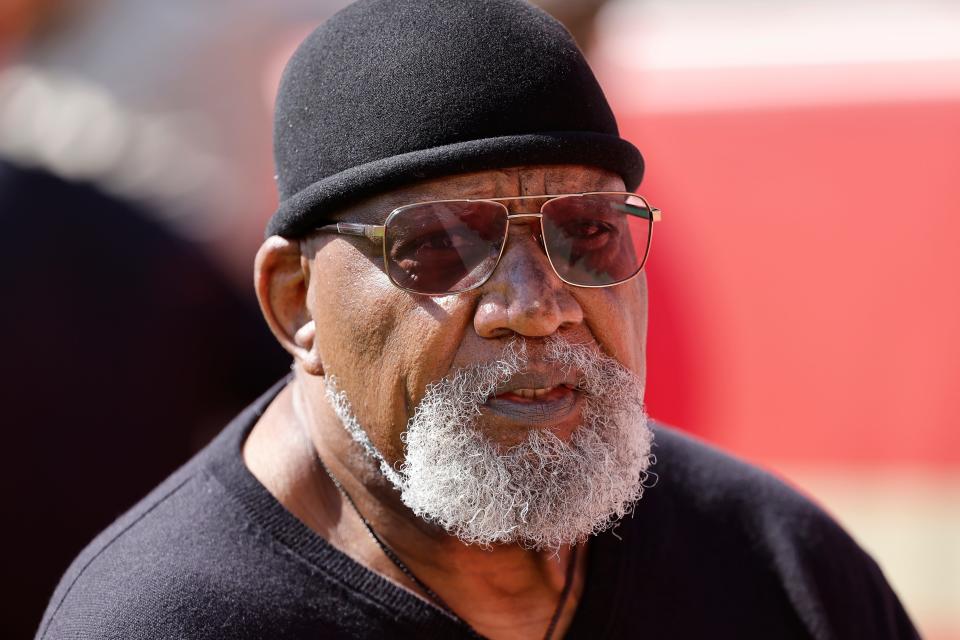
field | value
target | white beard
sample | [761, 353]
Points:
[541, 493]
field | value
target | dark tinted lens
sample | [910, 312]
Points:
[597, 239]
[444, 247]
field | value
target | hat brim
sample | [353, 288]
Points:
[311, 207]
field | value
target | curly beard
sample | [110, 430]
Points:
[540, 493]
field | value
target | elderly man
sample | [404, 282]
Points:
[462, 450]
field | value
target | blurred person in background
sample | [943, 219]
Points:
[125, 338]
[464, 430]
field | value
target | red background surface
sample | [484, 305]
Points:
[804, 286]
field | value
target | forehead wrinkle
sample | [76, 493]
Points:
[376, 209]
[562, 179]
[373, 211]
[493, 183]
[531, 181]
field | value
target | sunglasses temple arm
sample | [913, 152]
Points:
[372, 232]
[652, 213]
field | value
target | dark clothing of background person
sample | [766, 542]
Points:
[715, 549]
[123, 350]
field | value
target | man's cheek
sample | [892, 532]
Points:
[431, 333]
[619, 323]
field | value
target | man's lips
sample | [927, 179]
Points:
[536, 397]
[536, 385]
[536, 394]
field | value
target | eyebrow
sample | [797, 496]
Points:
[377, 213]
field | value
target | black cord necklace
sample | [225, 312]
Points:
[437, 600]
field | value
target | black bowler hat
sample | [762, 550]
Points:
[388, 92]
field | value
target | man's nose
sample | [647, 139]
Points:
[524, 296]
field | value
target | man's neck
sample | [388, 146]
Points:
[504, 591]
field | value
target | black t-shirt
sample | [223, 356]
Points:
[716, 549]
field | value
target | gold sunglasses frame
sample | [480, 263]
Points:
[376, 233]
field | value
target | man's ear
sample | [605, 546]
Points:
[281, 283]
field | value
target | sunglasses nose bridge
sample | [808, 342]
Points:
[515, 216]
[532, 220]
[535, 223]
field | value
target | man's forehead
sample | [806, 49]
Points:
[493, 183]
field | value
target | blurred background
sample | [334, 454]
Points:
[804, 283]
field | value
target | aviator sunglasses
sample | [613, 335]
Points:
[442, 247]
